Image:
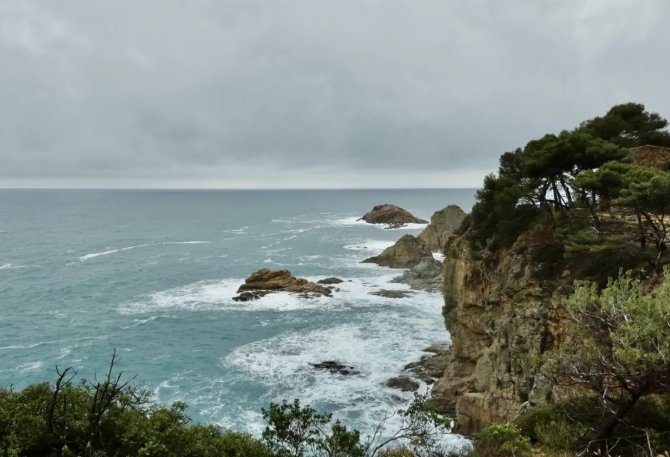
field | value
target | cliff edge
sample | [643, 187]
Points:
[502, 313]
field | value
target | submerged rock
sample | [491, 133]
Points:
[332, 280]
[404, 383]
[392, 293]
[426, 275]
[443, 224]
[405, 253]
[334, 367]
[393, 215]
[266, 281]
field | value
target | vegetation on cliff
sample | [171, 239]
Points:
[586, 205]
[585, 185]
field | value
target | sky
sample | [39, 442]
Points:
[309, 93]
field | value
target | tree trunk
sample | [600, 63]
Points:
[598, 437]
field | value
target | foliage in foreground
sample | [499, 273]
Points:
[112, 417]
[617, 349]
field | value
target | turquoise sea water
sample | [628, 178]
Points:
[153, 273]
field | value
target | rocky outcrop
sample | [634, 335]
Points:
[501, 312]
[330, 281]
[426, 275]
[392, 215]
[443, 224]
[266, 281]
[386, 293]
[404, 383]
[335, 367]
[405, 253]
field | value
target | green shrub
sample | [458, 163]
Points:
[503, 440]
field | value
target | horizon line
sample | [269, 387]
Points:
[235, 188]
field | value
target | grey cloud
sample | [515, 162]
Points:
[243, 92]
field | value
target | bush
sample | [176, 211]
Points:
[503, 440]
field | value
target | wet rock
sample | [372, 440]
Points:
[405, 253]
[443, 224]
[266, 281]
[392, 215]
[426, 275]
[332, 280]
[334, 367]
[386, 293]
[404, 383]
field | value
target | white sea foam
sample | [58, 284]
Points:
[114, 251]
[11, 266]
[439, 256]
[30, 366]
[378, 346]
[370, 245]
[356, 221]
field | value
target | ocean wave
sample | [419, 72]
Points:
[114, 251]
[357, 221]
[378, 347]
[370, 245]
[218, 296]
[11, 266]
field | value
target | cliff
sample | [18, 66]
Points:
[502, 312]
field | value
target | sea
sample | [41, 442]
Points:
[151, 275]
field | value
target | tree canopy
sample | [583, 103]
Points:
[579, 174]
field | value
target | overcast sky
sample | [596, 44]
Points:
[309, 93]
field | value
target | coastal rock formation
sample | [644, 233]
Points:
[330, 281]
[428, 370]
[266, 281]
[501, 313]
[393, 215]
[426, 275]
[386, 293]
[405, 253]
[443, 224]
[334, 367]
[404, 383]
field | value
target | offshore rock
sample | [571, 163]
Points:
[266, 281]
[443, 224]
[426, 275]
[405, 253]
[404, 383]
[334, 367]
[392, 215]
[330, 281]
[386, 293]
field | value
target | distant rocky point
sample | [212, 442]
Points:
[405, 253]
[443, 224]
[264, 282]
[392, 215]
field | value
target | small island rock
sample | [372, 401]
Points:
[392, 215]
[266, 281]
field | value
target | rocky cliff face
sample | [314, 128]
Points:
[501, 314]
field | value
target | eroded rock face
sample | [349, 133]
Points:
[426, 275]
[392, 215]
[499, 312]
[443, 224]
[266, 281]
[405, 253]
